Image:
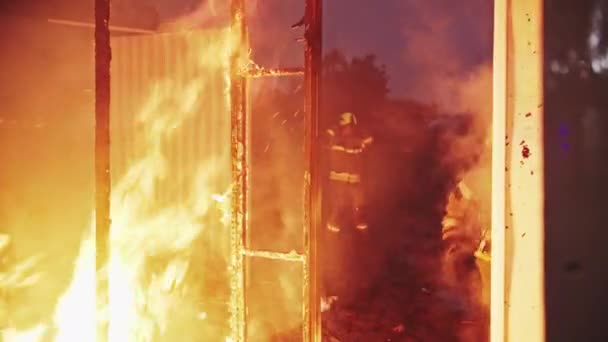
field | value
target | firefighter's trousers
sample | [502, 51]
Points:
[345, 243]
[346, 205]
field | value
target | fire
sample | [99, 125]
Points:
[152, 293]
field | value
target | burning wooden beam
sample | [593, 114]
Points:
[121, 29]
[311, 313]
[291, 256]
[259, 72]
[238, 151]
[103, 56]
[312, 217]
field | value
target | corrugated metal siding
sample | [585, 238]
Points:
[138, 63]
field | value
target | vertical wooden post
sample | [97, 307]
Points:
[103, 56]
[524, 289]
[499, 121]
[238, 150]
[518, 173]
[312, 215]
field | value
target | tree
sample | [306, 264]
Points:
[358, 85]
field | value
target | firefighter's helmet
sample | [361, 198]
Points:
[348, 118]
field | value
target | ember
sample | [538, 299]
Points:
[525, 151]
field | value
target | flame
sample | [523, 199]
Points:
[150, 287]
[154, 291]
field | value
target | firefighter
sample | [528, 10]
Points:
[464, 247]
[462, 222]
[347, 144]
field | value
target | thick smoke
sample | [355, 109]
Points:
[449, 45]
[199, 14]
[449, 50]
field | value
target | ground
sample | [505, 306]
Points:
[395, 276]
[404, 301]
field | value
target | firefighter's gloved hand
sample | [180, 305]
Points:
[327, 302]
[362, 226]
[333, 228]
[367, 142]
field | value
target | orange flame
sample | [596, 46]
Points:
[152, 241]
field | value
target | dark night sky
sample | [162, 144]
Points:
[414, 38]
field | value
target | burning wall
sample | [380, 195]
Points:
[169, 240]
[171, 73]
[171, 171]
[45, 151]
[171, 157]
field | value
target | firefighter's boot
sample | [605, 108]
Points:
[333, 228]
[332, 224]
[362, 226]
[360, 223]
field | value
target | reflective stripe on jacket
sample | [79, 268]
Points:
[346, 150]
[346, 153]
[351, 178]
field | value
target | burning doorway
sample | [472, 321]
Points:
[425, 179]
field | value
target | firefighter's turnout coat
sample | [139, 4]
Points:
[346, 164]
